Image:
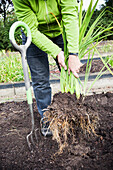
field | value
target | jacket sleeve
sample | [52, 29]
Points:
[24, 13]
[69, 12]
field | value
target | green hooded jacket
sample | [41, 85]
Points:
[39, 16]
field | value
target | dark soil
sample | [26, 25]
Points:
[96, 66]
[86, 153]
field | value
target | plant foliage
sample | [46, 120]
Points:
[88, 40]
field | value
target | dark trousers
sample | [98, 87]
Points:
[39, 68]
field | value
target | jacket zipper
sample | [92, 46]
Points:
[47, 12]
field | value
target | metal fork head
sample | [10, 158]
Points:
[33, 134]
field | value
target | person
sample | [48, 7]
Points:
[47, 39]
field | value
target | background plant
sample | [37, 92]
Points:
[4, 33]
[7, 18]
[11, 68]
[6, 6]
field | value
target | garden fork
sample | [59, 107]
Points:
[22, 49]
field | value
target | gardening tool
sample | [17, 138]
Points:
[22, 49]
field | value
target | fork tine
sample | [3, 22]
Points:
[28, 141]
[32, 139]
[36, 134]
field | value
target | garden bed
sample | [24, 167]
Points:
[88, 151]
[96, 67]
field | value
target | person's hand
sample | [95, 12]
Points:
[61, 60]
[74, 65]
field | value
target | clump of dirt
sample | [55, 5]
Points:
[85, 152]
[66, 120]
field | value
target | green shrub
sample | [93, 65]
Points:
[4, 33]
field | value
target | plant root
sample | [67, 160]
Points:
[65, 124]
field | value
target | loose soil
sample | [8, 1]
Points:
[87, 152]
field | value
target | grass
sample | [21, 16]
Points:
[10, 67]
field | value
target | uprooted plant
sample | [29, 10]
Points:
[70, 122]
